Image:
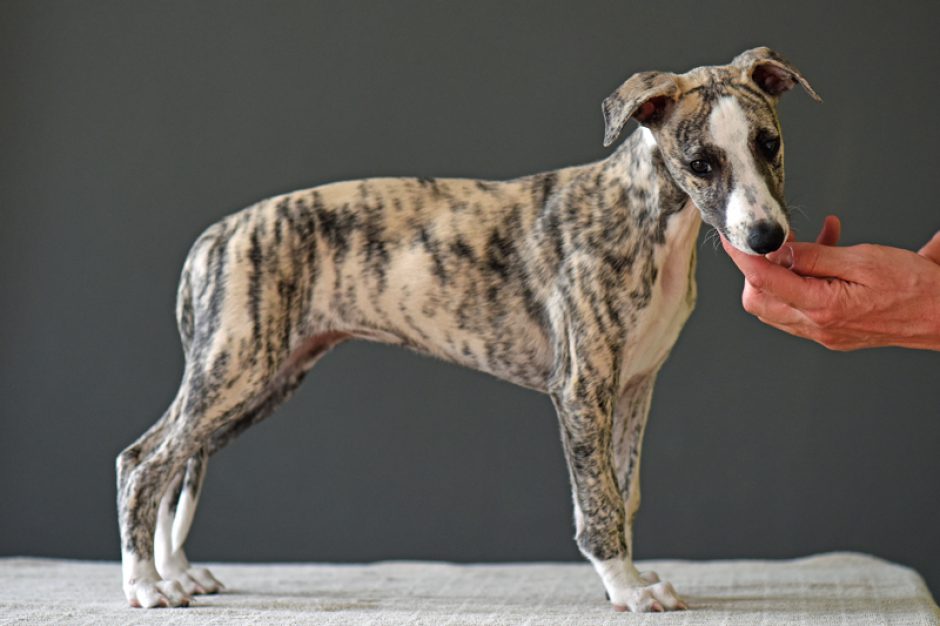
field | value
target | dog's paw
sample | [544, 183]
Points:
[657, 597]
[196, 580]
[650, 577]
[193, 580]
[149, 594]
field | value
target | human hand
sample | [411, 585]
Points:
[846, 298]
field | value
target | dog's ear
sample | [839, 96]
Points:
[771, 72]
[647, 97]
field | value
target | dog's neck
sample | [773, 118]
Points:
[639, 163]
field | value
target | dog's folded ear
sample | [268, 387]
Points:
[647, 97]
[772, 73]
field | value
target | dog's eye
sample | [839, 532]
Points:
[701, 167]
[770, 146]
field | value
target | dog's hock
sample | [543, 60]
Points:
[771, 72]
[646, 96]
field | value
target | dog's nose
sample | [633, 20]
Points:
[765, 237]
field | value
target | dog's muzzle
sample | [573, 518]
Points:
[765, 237]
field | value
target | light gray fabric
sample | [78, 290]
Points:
[837, 589]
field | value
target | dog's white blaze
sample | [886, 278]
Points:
[729, 130]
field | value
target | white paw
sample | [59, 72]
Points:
[195, 580]
[149, 593]
[656, 597]
[650, 577]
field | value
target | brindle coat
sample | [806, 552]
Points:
[574, 282]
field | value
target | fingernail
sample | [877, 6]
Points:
[782, 257]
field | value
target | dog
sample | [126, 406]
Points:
[574, 282]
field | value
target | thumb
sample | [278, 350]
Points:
[931, 249]
[813, 259]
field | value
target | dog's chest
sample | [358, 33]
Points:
[673, 297]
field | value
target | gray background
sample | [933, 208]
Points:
[129, 127]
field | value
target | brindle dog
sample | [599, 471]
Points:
[574, 282]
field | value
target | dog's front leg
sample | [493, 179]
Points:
[629, 423]
[584, 399]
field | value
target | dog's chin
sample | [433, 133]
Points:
[737, 245]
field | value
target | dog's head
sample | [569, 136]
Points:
[719, 136]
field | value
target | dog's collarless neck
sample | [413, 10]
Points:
[639, 164]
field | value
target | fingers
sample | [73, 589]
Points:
[828, 235]
[785, 318]
[769, 309]
[821, 261]
[782, 283]
[830, 232]
[931, 249]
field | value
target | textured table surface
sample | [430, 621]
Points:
[838, 589]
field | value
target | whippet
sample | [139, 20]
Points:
[574, 282]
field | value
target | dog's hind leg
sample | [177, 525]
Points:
[212, 398]
[131, 456]
[140, 492]
[174, 520]
[156, 570]
[178, 506]
[249, 331]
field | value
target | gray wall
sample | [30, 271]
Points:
[129, 127]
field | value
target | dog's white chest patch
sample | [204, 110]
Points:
[673, 297]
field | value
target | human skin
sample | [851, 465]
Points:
[846, 298]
